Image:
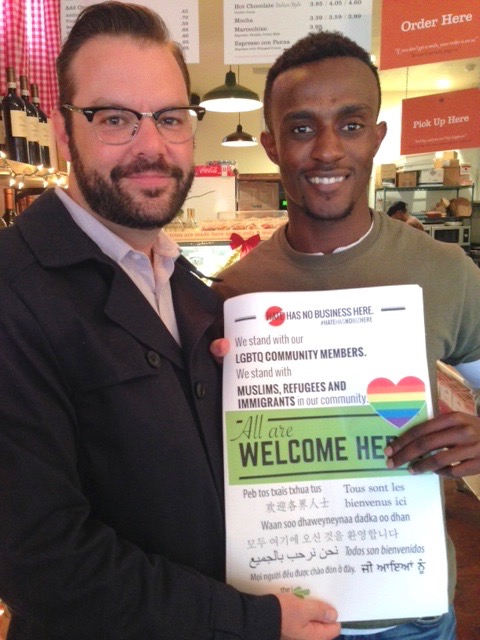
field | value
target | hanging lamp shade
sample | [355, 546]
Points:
[239, 139]
[231, 97]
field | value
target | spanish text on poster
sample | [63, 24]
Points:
[315, 386]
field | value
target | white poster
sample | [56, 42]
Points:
[315, 386]
[180, 17]
[258, 32]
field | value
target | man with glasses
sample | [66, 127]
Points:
[111, 473]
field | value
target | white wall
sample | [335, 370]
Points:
[215, 126]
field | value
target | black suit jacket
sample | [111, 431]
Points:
[111, 477]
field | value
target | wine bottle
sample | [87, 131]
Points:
[10, 212]
[44, 128]
[15, 121]
[3, 146]
[33, 139]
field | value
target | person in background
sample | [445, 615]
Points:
[111, 472]
[322, 101]
[399, 211]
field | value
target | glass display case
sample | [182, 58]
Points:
[208, 257]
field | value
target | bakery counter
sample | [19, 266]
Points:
[213, 245]
[221, 229]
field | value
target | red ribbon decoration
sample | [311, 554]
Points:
[237, 242]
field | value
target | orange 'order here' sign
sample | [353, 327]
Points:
[441, 121]
[427, 32]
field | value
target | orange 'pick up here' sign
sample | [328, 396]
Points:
[441, 121]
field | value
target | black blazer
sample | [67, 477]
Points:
[111, 476]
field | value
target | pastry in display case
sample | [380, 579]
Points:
[211, 245]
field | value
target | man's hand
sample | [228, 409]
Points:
[219, 349]
[307, 619]
[448, 445]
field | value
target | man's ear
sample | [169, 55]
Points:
[268, 141]
[380, 133]
[61, 135]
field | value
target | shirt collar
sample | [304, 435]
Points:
[109, 242]
[354, 244]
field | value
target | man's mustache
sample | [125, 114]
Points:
[141, 165]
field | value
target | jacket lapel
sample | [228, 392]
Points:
[58, 243]
[195, 312]
[127, 307]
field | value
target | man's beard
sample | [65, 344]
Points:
[313, 215]
[108, 200]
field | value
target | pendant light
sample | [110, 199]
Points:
[239, 138]
[231, 97]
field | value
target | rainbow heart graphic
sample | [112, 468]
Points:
[397, 403]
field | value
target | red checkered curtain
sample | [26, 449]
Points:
[30, 42]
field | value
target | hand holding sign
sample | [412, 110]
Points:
[307, 619]
[448, 445]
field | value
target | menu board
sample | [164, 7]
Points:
[258, 32]
[181, 18]
[316, 384]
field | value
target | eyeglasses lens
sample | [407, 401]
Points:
[118, 126]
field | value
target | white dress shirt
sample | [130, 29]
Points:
[152, 280]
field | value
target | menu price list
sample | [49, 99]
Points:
[261, 31]
[180, 17]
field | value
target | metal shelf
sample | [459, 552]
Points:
[428, 187]
[441, 188]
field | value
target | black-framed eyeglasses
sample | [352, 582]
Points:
[117, 126]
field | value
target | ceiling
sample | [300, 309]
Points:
[401, 83]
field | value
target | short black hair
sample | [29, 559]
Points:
[314, 48]
[396, 207]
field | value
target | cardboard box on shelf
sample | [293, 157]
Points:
[450, 155]
[459, 207]
[439, 163]
[431, 176]
[465, 177]
[407, 179]
[385, 175]
[415, 162]
[451, 176]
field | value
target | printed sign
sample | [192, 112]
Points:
[180, 17]
[315, 387]
[258, 32]
[440, 122]
[427, 32]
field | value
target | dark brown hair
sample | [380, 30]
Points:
[397, 207]
[113, 18]
[314, 48]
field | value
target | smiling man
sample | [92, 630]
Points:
[324, 142]
[322, 101]
[111, 472]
